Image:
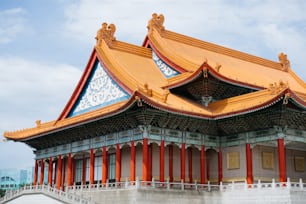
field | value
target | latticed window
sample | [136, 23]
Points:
[98, 168]
[112, 167]
[78, 170]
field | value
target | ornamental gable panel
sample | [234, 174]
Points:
[99, 91]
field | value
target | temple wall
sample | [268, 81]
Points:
[295, 163]
[155, 161]
[176, 163]
[237, 173]
[195, 165]
[212, 165]
[270, 169]
[138, 165]
[125, 162]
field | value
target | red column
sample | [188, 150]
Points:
[132, 162]
[162, 161]
[59, 172]
[183, 151]
[118, 163]
[84, 170]
[35, 172]
[249, 165]
[170, 163]
[92, 167]
[145, 160]
[150, 162]
[202, 165]
[104, 165]
[42, 172]
[69, 173]
[190, 165]
[50, 169]
[281, 160]
[220, 174]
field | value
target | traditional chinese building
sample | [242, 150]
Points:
[177, 109]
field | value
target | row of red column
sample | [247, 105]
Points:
[147, 165]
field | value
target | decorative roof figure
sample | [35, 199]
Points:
[157, 22]
[106, 33]
[283, 60]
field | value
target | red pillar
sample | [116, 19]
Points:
[249, 165]
[35, 172]
[104, 165]
[84, 170]
[162, 161]
[220, 171]
[132, 162]
[150, 162]
[118, 163]
[50, 169]
[59, 172]
[183, 151]
[42, 172]
[190, 165]
[281, 160]
[145, 160]
[202, 165]
[69, 173]
[170, 163]
[92, 167]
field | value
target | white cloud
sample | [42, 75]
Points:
[11, 24]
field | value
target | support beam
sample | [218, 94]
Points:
[132, 162]
[104, 165]
[50, 171]
[281, 160]
[42, 172]
[118, 163]
[190, 165]
[59, 172]
[202, 165]
[69, 173]
[162, 161]
[84, 170]
[249, 164]
[145, 160]
[220, 170]
[171, 163]
[92, 167]
[183, 159]
[35, 173]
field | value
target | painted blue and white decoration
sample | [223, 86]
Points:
[164, 68]
[100, 91]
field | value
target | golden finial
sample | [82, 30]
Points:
[283, 60]
[157, 22]
[106, 33]
[38, 123]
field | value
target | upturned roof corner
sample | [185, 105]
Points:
[106, 33]
[157, 22]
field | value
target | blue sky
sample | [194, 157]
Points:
[45, 45]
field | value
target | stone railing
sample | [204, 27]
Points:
[188, 186]
[65, 197]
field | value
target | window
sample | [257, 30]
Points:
[112, 167]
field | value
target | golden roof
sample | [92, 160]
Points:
[133, 68]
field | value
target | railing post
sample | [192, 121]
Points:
[273, 183]
[245, 184]
[195, 185]
[288, 183]
[126, 182]
[208, 186]
[221, 186]
[233, 183]
[182, 184]
[301, 183]
[153, 183]
[137, 183]
[107, 183]
[168, 183]
[259, 184]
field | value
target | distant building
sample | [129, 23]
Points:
[13, 178]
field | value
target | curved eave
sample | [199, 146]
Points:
[73, 121]
[212, 115]
[297, 100]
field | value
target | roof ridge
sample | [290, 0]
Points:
[133, 49]
[220, 49]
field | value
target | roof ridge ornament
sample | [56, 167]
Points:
[275, 88]
[106, 33]
[157, 22]
[283, 60]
